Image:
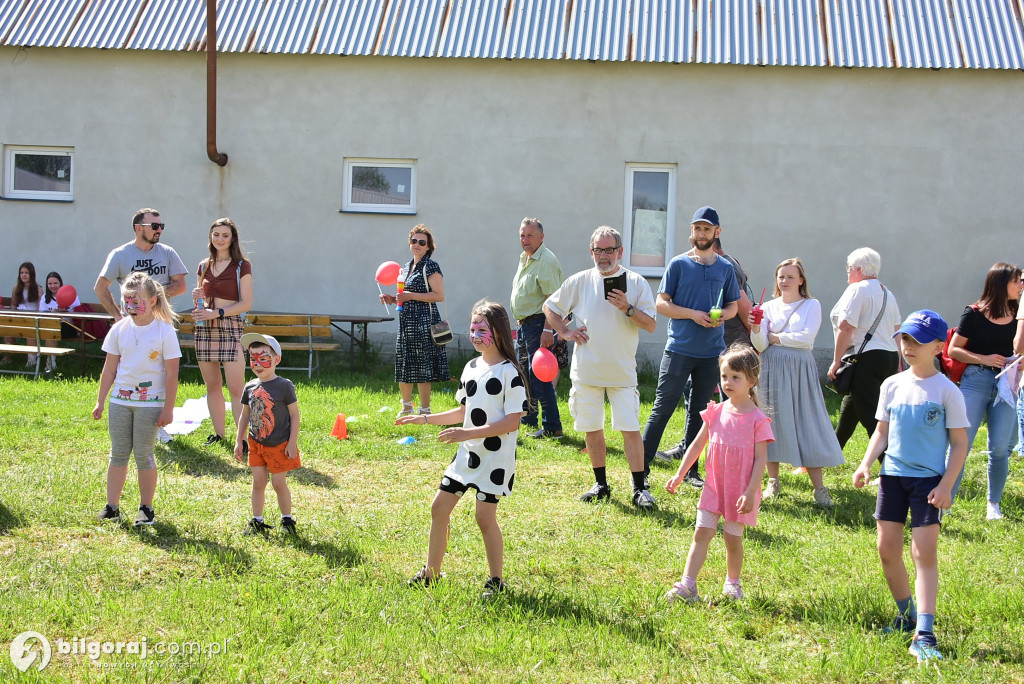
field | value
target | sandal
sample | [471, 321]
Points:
[406, 409]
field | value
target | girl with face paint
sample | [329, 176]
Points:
[493, 395]
[140, 376]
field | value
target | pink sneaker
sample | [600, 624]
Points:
[683, 591]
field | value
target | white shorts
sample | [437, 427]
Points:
[706, 518]
[586, 404]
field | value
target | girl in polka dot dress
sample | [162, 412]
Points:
[492, 395]
[737, 434]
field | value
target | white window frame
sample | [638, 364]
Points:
[348, 205]
[10, 192]
[627, 222]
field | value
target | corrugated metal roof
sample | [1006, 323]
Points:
[536, 29]
[104, 23]
[412, 28]
[349, 27]
[171, 25]
[474, 29]
[980, 34]
[45, 23]
[858, 32]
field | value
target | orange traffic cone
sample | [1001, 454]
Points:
[340, 430]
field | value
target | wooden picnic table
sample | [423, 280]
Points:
[354, 339]
[68, 317]
[356, 332]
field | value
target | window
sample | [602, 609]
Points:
[39, 173]
[649, 225]
[383, 186]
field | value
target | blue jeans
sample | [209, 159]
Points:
[1020, 423]
[544, 392]
[675, 370]
[978, 386]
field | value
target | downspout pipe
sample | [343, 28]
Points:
[216, 157]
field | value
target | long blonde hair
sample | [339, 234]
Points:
[743, 359]
[141, 283]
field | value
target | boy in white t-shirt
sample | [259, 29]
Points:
[920, 413]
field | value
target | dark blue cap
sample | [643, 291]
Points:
[924, 326]
[705, 215]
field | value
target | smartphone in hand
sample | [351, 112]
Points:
[615, 283]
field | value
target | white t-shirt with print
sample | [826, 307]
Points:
[140, 378]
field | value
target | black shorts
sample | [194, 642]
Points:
[458, 489]
[898, 494]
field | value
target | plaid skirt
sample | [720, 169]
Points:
[219, 340]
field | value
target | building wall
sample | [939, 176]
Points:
[923, 165]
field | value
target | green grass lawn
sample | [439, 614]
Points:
[586, 581]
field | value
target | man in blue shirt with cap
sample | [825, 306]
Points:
[694, 283]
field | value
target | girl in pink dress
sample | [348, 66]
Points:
[737, 433]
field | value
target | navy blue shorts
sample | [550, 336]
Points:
[898, 494]
[453, 486]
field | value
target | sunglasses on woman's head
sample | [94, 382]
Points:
[418, 241]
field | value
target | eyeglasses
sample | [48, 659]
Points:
[154, 226]
[604, 250]
[418, 241]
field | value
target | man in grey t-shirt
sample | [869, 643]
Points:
[146, 254]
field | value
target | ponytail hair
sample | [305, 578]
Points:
[743, 359]
[147, 287]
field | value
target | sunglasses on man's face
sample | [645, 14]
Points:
[610, 251]
[418, 241]
[154, 226]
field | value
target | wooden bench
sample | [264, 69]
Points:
[37, 330]
[295, 332]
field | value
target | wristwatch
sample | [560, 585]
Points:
[221, 312]
[630, 311]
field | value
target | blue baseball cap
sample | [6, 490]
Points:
[924, 326]
[705, 215]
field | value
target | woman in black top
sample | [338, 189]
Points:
[984, 341]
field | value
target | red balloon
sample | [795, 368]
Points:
[544, 365]
[387, 273]
[66, 296]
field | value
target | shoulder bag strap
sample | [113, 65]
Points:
[788, 318]
[878, 318]
[426, 280]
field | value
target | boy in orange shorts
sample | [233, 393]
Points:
[270, 412]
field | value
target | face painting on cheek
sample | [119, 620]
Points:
[259, 360]
[480, 333]
[134, 305]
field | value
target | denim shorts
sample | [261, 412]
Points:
[897, 495]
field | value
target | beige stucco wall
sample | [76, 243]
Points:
[923, 165]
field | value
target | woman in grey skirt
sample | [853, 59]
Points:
[789, 382]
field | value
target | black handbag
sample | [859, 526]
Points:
[844, 374]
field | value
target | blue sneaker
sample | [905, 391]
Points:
[901, 624]
[924, 647]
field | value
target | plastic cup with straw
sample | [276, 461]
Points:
[756, 312]
[716, 311]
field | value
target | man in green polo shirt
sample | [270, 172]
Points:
[539, 274]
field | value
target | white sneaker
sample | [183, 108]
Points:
[773, 488]
[823, 498]
[733, 590]
[994, 512]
